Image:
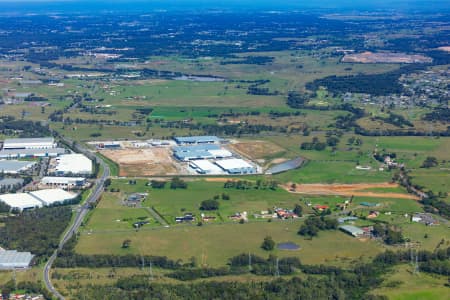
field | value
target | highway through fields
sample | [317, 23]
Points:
[81, 213]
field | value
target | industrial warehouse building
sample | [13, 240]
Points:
[20, 201]
[352, 230]
[205, 167]
[15, 166]
[193, 140]
[29, 143]
[35, 199]
[11, 259]
[72, 164]
[64, 182]
[236, 166]
[23, 153]
[206, 151]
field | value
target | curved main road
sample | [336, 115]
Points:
[81, 213]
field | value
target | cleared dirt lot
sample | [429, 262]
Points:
[144, 162]
[384, 57]
[256, 150]
[349, 190]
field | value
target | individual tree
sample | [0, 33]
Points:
[126, 243]
[430, 162]
[268, 243]
[298, 210]
[209, 204]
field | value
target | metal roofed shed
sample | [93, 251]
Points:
[29, 143]
[17, 153]
[11, 182]
[352, 230]
[204, 139]
[193, 148]
[12, 259]
[207, 151]
[20, 201]
[345, 219]
[64, 182]
[15, 166]
[205, 167]
[72, 164]
[52, 196]
[236, 166]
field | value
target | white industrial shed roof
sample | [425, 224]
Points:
[61, 180]
[234, 163]
[51, 196]
[11, 259]
[20, 201]
[47, 142]
[221, 153]
[15, 166]
[14, 153]
[36, 199]
[206, 166]
[74, 163]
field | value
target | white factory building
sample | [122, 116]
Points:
[63, 182]
[73, 164]
[205, 167]
[35, 199]
[29, 143]
[15, 166]
[11, 259]
[236, 166]
[22, 153]
[20, 201]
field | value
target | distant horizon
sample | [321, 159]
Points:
[122, 5]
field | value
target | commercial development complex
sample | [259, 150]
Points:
[15, 166]
[30, 147]
[76, 164]
[40, 198]
[31, 143]
[206, 155]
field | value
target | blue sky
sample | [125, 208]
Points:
[418, 5]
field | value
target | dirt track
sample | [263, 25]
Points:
[349, 190]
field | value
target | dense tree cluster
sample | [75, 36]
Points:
[37, 231]
[391, 235]
[315, 144]
[313, 225]
[22, 128]
[178, 183]
[246, 185]
[210, 204]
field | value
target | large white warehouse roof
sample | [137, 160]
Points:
[61, 180]
[20, 201]
[206, 167]
[36, 199]
[74, 163]
[11, 259]
[234, 163]
[15, 166]
[51, 196]
[29, 143]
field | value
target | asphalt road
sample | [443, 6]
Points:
[96, 192]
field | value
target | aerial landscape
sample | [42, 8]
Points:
[190, 149]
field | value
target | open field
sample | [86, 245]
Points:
[403, 284]
[213, 245]
[349, 190]
[260, 151]
[143, 162]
